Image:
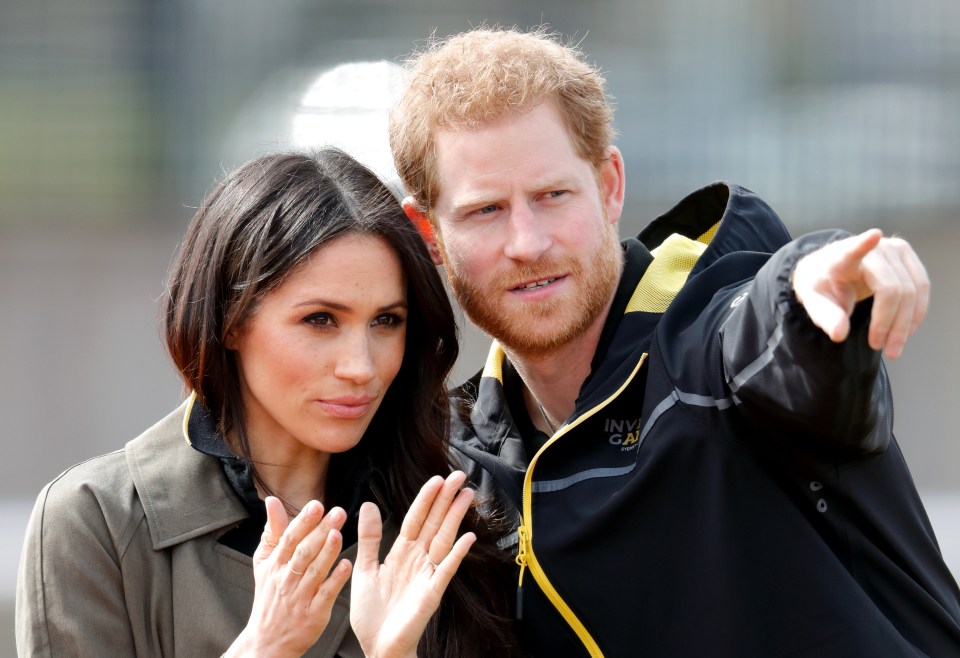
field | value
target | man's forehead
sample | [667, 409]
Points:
[517, 140]
[450, 133]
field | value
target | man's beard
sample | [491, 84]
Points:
[541, 327]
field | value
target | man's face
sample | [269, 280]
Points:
[527, 229]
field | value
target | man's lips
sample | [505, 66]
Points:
[348, 406]
[535, 284]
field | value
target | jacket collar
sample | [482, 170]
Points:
[716, 220]
[184, 492]
[726, 217]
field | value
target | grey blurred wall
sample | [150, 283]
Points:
[116, 116]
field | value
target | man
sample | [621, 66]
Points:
[693, 427]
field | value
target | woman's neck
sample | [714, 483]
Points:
[294, 473]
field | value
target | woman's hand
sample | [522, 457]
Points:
[295, 589]
[391, 603]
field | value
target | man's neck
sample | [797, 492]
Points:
[552, 380]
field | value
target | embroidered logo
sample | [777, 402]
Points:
[623, 433]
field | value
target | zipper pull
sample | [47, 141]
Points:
[521, 560]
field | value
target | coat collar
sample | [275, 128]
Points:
[184, 492]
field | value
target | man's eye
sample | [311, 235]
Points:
[486, 210]
[553, 194]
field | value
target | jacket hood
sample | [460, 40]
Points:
[726, 217]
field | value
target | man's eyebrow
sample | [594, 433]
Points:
[553, 184]
[480, 200]
[473, 201]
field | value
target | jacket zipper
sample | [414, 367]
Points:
[525, 555]
[522, 561]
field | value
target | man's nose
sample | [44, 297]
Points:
[527, 236]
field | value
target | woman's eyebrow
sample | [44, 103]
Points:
[339, 306]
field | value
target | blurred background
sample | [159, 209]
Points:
[117, 115]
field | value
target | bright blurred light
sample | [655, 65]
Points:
[347, 107]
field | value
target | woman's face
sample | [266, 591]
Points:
[319, 352]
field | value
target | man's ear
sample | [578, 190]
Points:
[424, 228]
[613, 184]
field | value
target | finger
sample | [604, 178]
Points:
[441, 504]
[273, 529]
[832, 318]
[824, 283]
[369, 534]
[327, 592]
[921, 281]
[444, 540]
[293, 570]
[416, 516]
[882, 277]
[308, 519]
[448, 567]
[894, 301]
[913, 287]
[855, 248]
[316, 571]
[315, 544]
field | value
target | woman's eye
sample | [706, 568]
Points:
[320, 319]
[388, 319]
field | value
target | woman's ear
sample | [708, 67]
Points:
[230, 340]
[424, 228]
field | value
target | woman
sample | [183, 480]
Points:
[304, 314]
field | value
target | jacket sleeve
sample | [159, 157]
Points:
[788, 376]
[70, 593]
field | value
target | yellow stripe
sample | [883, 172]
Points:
[665, 276]
[707, 236]
[529, 558]
[494, 365]
[186, 417]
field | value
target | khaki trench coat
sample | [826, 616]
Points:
[121, 559]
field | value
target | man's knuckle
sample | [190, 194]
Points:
[888, 289]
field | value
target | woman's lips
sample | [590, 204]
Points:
[346, 407]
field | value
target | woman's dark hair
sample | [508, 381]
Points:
[259, 224]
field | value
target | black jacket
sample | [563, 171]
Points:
[728, 484]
